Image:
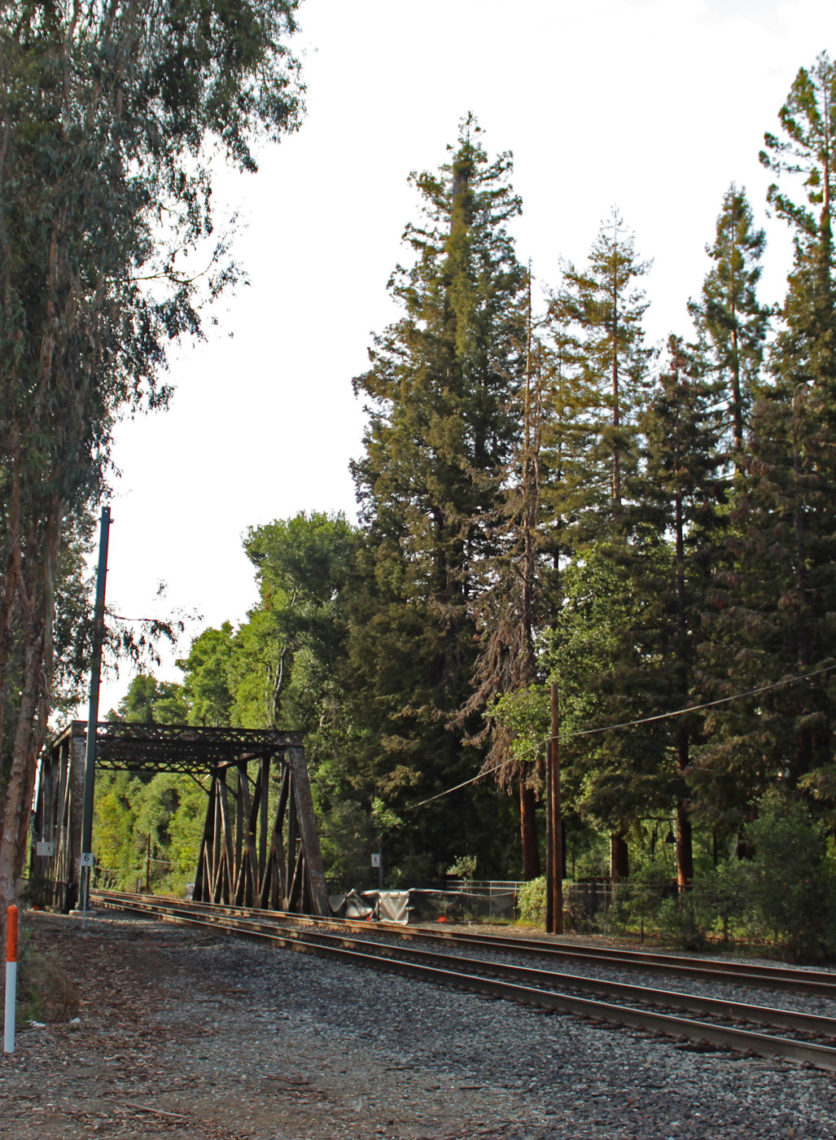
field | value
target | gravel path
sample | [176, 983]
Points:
[187, 1034]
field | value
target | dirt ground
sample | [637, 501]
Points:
[154, 1030]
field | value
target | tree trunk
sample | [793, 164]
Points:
[619, 858]
[684, 846]
[28, 741]
[38, 604]
[528, 832]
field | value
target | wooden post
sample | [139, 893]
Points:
[554, 825]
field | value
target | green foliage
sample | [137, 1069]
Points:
[151, 701]
[730, 321]
[383, 817]
[463, 867]
[117, 844]
[547, 501]
[782, 896]
[774, 600]
[110, 116]
[531, 902]
[184, 828]
[443, 400]
[595, 652]
[347, 838]
[148, 831]
[604, 306]
[304, 566]
[791, 881]
[805, 147]
[207, 686]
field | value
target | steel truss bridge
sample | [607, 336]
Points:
[260, 845]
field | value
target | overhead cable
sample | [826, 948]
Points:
[626, 724]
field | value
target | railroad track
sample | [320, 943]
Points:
[746, 1027]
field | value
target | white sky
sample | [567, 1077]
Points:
[655, 106]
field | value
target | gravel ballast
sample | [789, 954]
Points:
[188, 1034]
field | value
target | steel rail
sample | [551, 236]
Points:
[811, 1024]
[787, 977]
[493, 979]
[821, 983]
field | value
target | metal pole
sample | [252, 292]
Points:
[93, 717]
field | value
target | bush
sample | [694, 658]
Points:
[531, 902]
[463, 867]
[686, 919]
[791, 882]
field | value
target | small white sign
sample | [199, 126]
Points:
[376, 859]
[45, 848]
[87, 858]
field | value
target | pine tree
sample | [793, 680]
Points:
[602, 310]
[776, 621]
[799, 419]
[510, 608]
[730, 321]
[679, 521]
[625, 643]
[605, 306]
[443, 396]
[806, 349]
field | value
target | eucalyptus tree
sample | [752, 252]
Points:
[290, 648]
[109, 116]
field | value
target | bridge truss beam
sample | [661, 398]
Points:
[260, 845]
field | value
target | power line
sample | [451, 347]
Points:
[626, 724]
[699, 708]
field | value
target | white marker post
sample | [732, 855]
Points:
[11, 979]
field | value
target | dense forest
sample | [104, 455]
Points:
[548, 504]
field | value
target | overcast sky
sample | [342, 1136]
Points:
[654, 106]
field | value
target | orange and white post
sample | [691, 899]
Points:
[11, 979]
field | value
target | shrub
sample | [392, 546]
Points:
[791, 882]
[463, 867]
[531, 902]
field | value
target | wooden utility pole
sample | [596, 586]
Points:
[554, 825]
